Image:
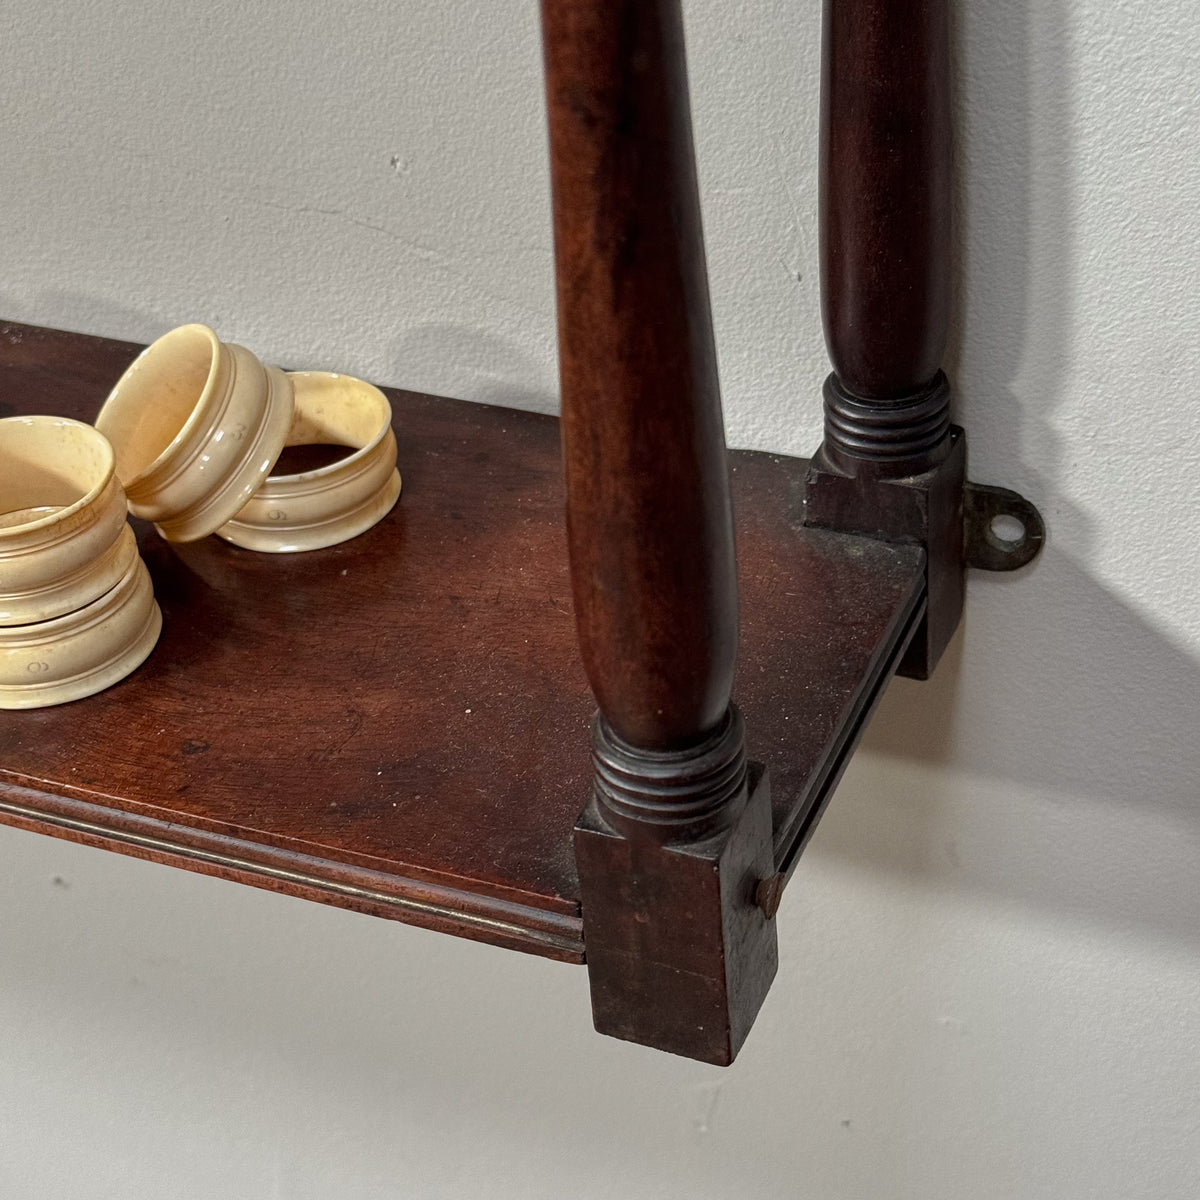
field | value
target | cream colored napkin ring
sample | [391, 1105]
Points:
[64, 537]
[83, 652]
[196, 425]
[334, 503]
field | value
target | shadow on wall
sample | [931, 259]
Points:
[1087, 699]
[1080, 732]
[85, 314]
[1014, 317]
[482, 365]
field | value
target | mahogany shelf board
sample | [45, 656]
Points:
[398, 725]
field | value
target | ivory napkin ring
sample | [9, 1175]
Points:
[64, 538]
[82, 652]
[196, 425]
[333, 503]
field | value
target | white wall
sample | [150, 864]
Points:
[991, 955]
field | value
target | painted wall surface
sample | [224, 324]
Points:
[991, 955]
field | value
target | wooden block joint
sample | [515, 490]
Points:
[898, 473]
[680, 956]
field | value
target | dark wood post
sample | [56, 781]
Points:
[891, 464]
[885, 193]
[673, 841]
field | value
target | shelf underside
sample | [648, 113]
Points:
[398, 725]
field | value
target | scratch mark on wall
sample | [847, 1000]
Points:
[414, 249]
[704, 1107]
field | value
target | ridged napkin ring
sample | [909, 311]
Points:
[64, 536]
[82, 652]
[333, 503]
[196, 425]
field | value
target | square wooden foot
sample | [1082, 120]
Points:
[679, 955]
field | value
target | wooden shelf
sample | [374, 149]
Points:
[398, 725]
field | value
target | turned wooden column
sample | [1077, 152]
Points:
[648, 511]
[891, 464]
[885, 194]
[679, 956]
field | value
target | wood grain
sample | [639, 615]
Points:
[885, 193]
[648, 509]
[398, 725]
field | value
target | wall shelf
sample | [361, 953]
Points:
[398, 725]
[404, 724]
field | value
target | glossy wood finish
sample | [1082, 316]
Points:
[672, 843]
[648, 513]
[885, 193]
[398, 725]
[891, 465]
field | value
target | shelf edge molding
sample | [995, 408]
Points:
[376, 893]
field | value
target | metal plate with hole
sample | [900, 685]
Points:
[1003, 530]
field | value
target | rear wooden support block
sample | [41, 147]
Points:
[898, 472]
[670, 853]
